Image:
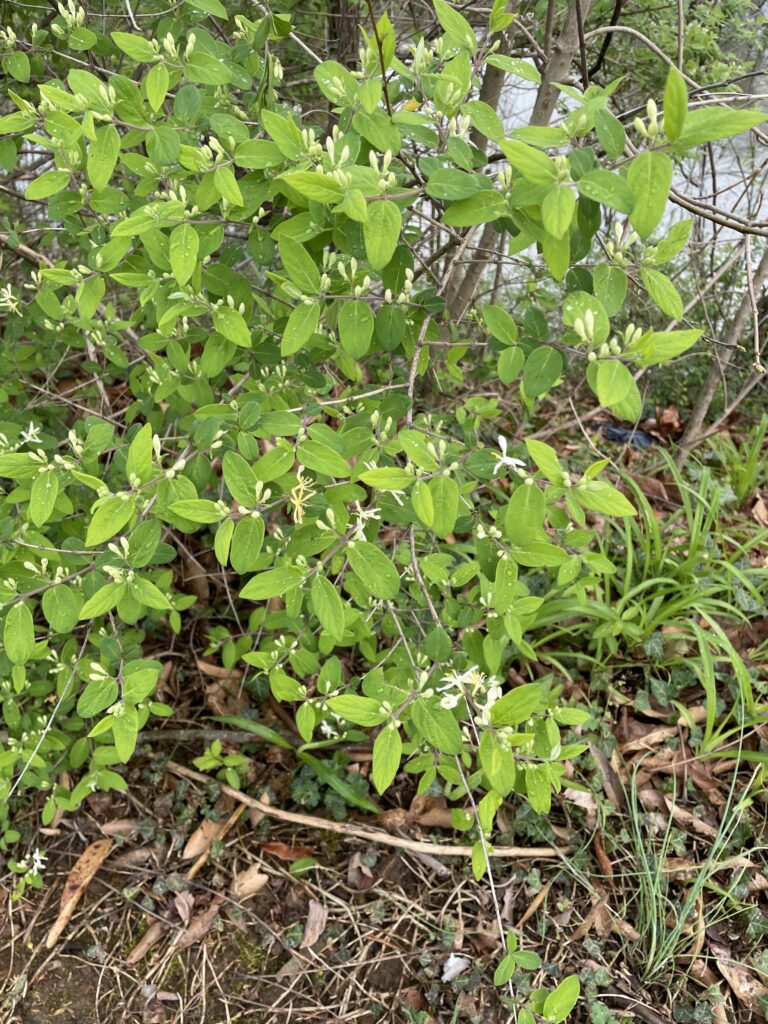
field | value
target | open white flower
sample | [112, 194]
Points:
[506, 460]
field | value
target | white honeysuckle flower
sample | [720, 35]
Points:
[32, 434]
[506, 460]
[449, 701]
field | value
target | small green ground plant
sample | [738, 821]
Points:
[242, 320]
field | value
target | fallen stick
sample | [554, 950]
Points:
[371, 835]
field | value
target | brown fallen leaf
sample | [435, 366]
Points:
[317, 918]
[201, 839]
[760, 511]
[218, 671]
[602, 858]
[200, 925]
[78, 880]
[746, 987]
[125, 827]
[587, 803]
[184, 902]
[284, 852]
[249, 882]
[359, 875]
[150, 938]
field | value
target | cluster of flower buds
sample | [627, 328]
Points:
[337, 160]
[653, 128]
[405, 295]
[585, 326]
[458, 127]
[616, 247]
[562, 170]
[423, 56]
[7, 39]
[491, 532]
[312, 148]
[382, 430]
[9, 302]
[616, 346]
[73, 16]
[387, 177]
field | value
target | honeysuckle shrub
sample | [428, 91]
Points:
[239, 332]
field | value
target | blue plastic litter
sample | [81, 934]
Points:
[634, 438]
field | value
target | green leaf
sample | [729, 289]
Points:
[98, 695]
[183, 251]
[231, 324]
[198, 510]
[321, 458]
[660, 346]
[102, 156]
[484, 119]
[328, 606]
[374, 569]
[663, 292]
[61, 606]
[382, 232]
[358, 710]
[19, 634]
[497, 762]
[156, 84]
[437, 725]
[245, 548]
[239, 478]
[500, 324]
[48, 184]
[610, 133]
[612, 381]
[650, 177]
[387, 478]
[102, 601]
[320, 188]
[285, 133]
[139, 462]
[607, 188]
[524, 516]
[300, 327]
[542, 370]
[387, 753]
[557, 210]
[478, 209]
[108, 519]
[42, 498]
[675, 105]
[710, 124]
[355, 328]
[534, 165]
[602, 497]
[272, 583]
[452, 184]
[423, 505]
[136, 47]
[299, 265]
[538, 788]
[212, 7]
[455, 25]
[518, 705]
[559, 1003]
[226, 185]
[445, 504]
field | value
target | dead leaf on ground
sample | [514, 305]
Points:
[209, 668]
[78, 880]
[760, 511]
[149, 939]
[125, 827]
[249, 882]
[207, 831]
[604, 861]
[746, 987]
[359, 875]
[200, 925]
[317, 918]
[586, 801]
[184, 902]
[289, 853]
